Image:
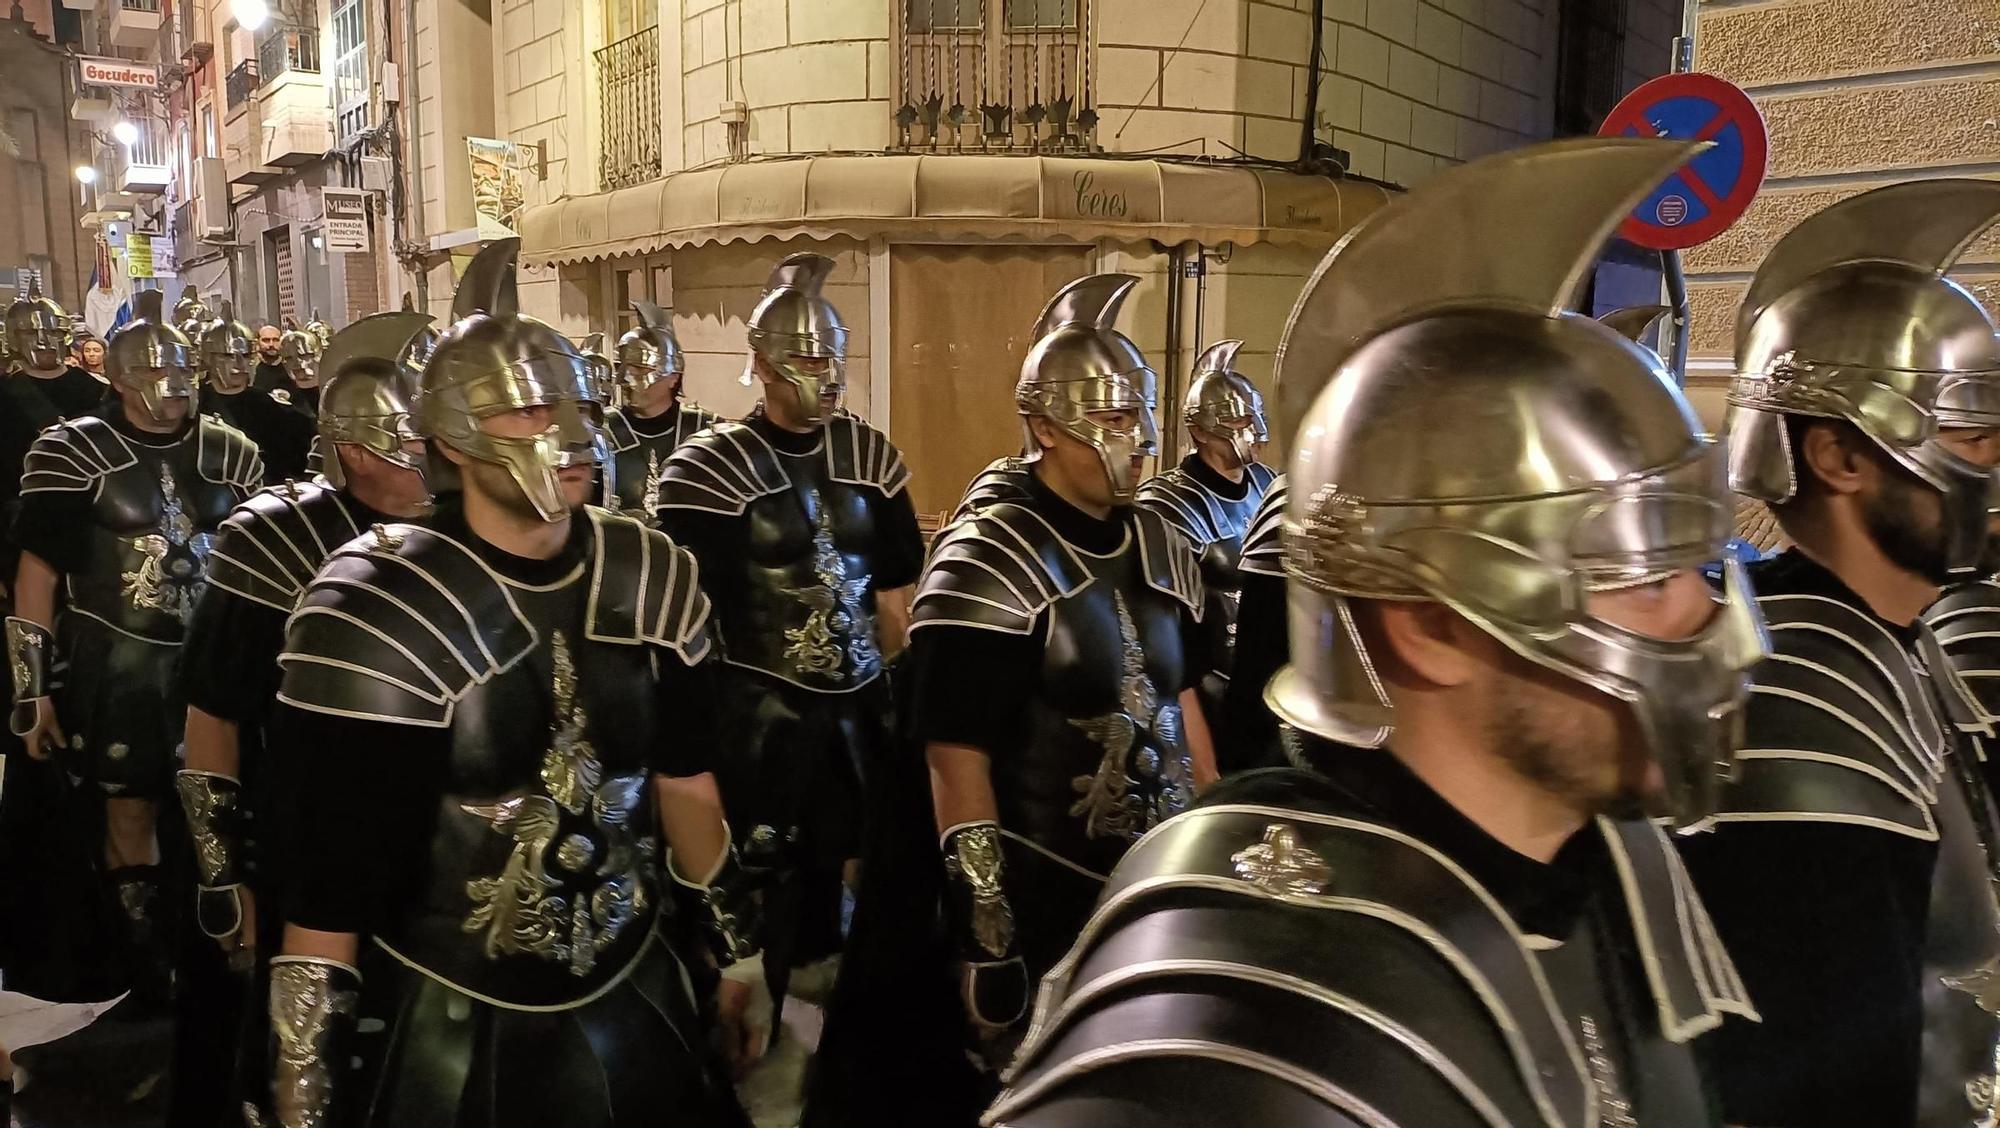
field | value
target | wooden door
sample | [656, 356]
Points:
[958, 330]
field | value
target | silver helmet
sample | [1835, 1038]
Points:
[793, 321]
[191, 315]
[648, 352]
[320, 330]
[419, 349]
[592, 348]
[1588, 470]
[1080, 364]
[370, 394]
[494, 360]
[150, 357]
[228, 352]
[37, 328]
[299, 351]
[1851, 317]
[1222, 402]
[1634, 322]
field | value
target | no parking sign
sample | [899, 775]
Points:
[1711, 191]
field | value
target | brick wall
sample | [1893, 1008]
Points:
[1856, 93]
[815, 75]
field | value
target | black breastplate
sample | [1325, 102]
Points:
[1106, 759]
[152, 525]
[540, 887]
[638, 474]
[805, 611]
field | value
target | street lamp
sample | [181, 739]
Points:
[86, 175]
[125, 133]
[250, 14]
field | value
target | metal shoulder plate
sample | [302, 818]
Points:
[1004, 479]
[1336, 955]
[272, 545]
[1263, 541]
[1192, 508]
[644, 588]
[227, 457]
[997, 569]
[400, 624]
[860, 455]
[74, 455]
[722, 470]
[1966, 622]
[618, 430]
[1169, 561]
[1840, 728]
[694, 420]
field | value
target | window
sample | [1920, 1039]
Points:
[350, 68]
[210, 143]
[1590, 62]
[1027, 59]
[623, 18]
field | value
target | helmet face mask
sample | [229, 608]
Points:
[1071, 405]
[151, 359]
[228, 353]
[37, 333]
[1080, 365]
[1590, 476]
[648, 353]
[800, 337]
[299, 351]
[368, 398]
[1222, 404]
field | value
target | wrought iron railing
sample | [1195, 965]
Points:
[287, 49]
[241, 83]
[996, 75]
[628, 83]
[140, 5]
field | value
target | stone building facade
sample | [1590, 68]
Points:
[1855, 93]
[39, 199]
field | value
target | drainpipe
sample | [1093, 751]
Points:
[1674, 343]
[413, 102]
[1170, 439]
[1312, 83]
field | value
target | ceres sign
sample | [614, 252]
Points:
[93, 71]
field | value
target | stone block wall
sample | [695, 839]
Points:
[1856, 93]
[814, 75]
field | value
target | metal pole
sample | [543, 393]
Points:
[1673, 277]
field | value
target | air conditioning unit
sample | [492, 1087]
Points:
[375, 173]
[212, 205]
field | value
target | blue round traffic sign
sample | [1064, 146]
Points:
[1703, 197]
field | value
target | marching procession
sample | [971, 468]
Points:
[472, 730]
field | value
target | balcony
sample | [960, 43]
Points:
[135, 23]
[288, 51]
[145, 167]
[1007, 77]
[241, 83]
[628, 82]
[243, 136]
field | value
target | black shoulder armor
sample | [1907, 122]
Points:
[272, 545]
[721, 470]
[618, 431]
[860, 455]
[1967, 624]
[999, 568]
[1357, 974]
[1840, 726]
[1191, 509]
[1004, 479]
[403, 621]
[74, 455]
[1263, 541]
[228, 457]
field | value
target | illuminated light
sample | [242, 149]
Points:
[250, 14]
[86, 174]
[125, 133]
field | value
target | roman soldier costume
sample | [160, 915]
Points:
[1212, 511]
[640, 444]
[796, 533]
[36, 333]
[1851, 871]
[1343, 947]
[1249, 737]
[228, 366]
[501, 720]
[1059, 644]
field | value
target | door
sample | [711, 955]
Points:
[960, 317]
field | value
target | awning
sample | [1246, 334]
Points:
[950, 197]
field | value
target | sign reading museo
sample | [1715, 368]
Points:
[94, 71]
[346, 211]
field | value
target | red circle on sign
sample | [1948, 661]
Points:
[1727, 108]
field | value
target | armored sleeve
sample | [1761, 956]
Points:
[59, 478]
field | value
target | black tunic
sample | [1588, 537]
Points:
[283, 435]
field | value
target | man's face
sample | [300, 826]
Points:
[230, 373]
[577, 481]
[1574, 741]
[382, 485]
[269, 339]
[171, 409]
[1081, 464]
[654, 398]
[1981, 447]
[1905, 517]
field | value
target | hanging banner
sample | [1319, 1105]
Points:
[346, 212]
[497, 189]
[165, 263]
